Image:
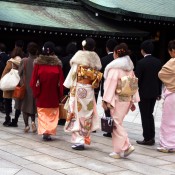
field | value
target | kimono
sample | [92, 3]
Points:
[167, 128]
[119, 107]
[83, 77]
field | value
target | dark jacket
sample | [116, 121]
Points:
[147, 72]
[105, 61]
[3, 60]
[66, 68]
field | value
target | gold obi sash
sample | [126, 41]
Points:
[88, 75]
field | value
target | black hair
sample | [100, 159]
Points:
[111, 43]
[171, 45]
[19, 43]
[71, 48]
[147, 46]
[122, 50]
[89, 44]
[17, 51]
[32, 48]
[58, 51]
[2, 47]
[48, 48]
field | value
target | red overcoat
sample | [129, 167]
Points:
[47, 81]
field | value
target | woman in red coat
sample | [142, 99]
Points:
[47, 87]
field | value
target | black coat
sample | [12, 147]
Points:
[3, 60]
[147, 72]
[66, 68]
[105, 61]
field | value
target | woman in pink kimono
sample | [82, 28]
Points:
[119, 105]
[167, 128]
[83, 77]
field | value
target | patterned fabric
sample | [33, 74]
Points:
[127, 87]
[85, 72]
[82, 115]
[47, 120]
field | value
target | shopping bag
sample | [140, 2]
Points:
[62, 111]
[107, 124]
[10, 80]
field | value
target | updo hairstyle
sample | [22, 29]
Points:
[89, 44]
[48, 48]
[122, 50]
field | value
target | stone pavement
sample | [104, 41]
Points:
[27, 154]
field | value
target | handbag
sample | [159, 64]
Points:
[62, 110]
[19, 91]
[107, 124]
[9, 81]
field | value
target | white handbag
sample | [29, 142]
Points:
[10, 80]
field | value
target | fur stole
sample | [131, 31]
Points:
[86, 58]
[48, 60]
[123, 63]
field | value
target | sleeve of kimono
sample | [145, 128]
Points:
[33, 81]
[110, 85]
[71, 77]
[61, 80]
[166, 73]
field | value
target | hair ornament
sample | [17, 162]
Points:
[121, 51]
[48, 50]
[83, 43]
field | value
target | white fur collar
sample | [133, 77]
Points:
[124, 63]
[87, 58]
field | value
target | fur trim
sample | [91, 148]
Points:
[124, 63]
[15, 60]
[86, 58]
[48, 60]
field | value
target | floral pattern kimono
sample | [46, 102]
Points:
[82, 116]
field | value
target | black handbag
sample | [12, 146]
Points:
[107, 124]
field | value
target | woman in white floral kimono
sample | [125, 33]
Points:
[83, 77]
[119, 105]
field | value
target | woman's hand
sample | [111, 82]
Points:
[104, 105]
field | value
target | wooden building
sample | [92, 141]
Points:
[62, 21]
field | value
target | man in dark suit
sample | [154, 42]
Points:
[71, 49]
[149, 90]
[110, 45]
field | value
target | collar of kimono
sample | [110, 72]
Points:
[124, 63]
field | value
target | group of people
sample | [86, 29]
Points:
[46, 83]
